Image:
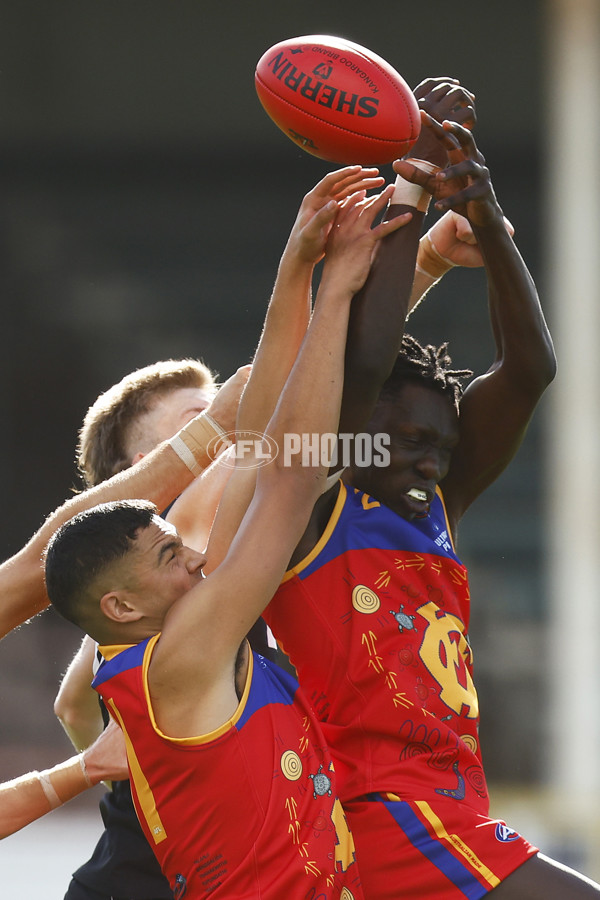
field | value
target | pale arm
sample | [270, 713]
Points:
[159, 477]
[25, 799]
[288, 313]
[285, 325]
[76, 705]
[188, 682]
[448, 244]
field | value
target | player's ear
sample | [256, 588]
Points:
[116, 607]
[137, 458]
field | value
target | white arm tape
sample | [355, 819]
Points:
[185, 454]
[408, 194]
[430, 261]
[48, 788]
[199, 442]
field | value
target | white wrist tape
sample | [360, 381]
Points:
[408, 194]
[47, 787]
[199, 442]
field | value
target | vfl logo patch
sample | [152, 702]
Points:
[505, 834]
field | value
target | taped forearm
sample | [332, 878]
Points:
[406, 193]
[199, 443]
[430, 268]
[25, 799]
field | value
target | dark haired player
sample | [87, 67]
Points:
[231, 776]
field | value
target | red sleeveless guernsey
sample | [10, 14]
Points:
[249, 810]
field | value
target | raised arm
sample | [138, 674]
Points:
[285, 325]
[160, 477]
[497, 406]
[223, 607]
[448, 244]
[373, 346]
[289, 310]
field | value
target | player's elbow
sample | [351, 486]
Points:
[70, 707]
[531, 368]
[65, 710]
[299, 472]
[551, 364]
[543, 366]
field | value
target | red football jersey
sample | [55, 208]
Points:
[249, 810]
[375, 621]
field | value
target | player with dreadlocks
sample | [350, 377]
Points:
[374, 608]
[428, 363]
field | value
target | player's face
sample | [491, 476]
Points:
[162, 570]
[166, 417]
[422, 425]
[178, 408]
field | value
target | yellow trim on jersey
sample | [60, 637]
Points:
[457, 844]
[333, 520]
[200, 738]
[448, 529]
[142, 788]
[108, 651]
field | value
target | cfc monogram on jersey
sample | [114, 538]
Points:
[375, 620]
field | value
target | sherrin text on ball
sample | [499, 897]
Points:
[337, 100]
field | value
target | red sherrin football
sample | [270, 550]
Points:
[338, 100]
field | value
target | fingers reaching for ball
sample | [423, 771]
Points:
[465, 184]
[445, 98]
[319, 206]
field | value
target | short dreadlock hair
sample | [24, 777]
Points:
[427, 364]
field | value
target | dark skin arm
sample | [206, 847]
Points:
[497, 406]
[379, 310]
[371, 349]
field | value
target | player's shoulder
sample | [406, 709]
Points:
[317, 524]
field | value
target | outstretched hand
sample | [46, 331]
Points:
[353, 238]
[319, 208]
[465, 185]
[446, 99]
[442, 99]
